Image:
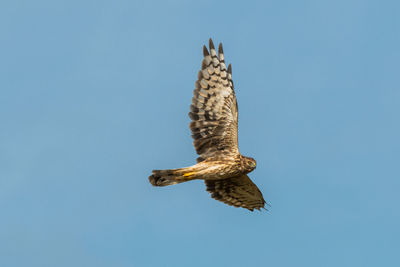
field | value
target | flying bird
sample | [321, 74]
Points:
[214, 115]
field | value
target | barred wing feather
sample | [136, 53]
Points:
[214, 110]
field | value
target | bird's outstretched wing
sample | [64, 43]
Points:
[236, 191]
[214, 111]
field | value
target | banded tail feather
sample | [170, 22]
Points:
[170, 177]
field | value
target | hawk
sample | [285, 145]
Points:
[214, 115]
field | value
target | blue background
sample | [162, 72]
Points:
[95, 94]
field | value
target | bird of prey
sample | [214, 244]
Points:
[214, 115]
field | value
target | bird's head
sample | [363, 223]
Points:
[250, 163]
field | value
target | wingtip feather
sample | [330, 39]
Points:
[205, 51]
[230, 68]
[220, 49]
[211, 44]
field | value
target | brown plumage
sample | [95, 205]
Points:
[214, 114]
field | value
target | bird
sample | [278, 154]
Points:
[214, 128]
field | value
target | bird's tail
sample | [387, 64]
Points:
[170, 177]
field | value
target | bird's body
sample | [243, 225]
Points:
[214, 114]
[205, 170]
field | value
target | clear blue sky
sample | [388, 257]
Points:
[95, 94]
